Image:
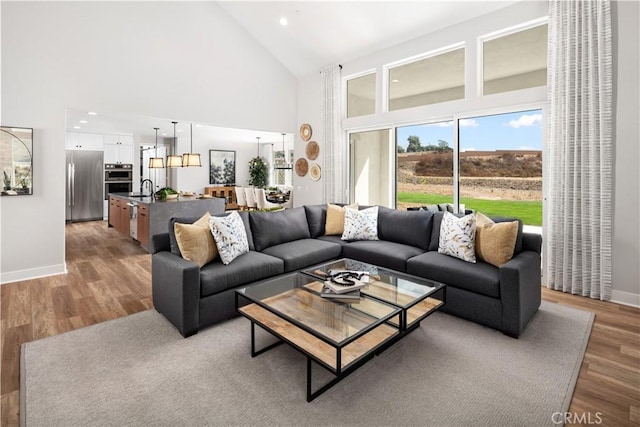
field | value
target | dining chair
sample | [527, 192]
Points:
[251, 197]
[241, 199]
[262, 202]
[289, 203]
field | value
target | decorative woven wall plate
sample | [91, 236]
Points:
[312, 150]
[302, 167]
[305, 131]
[315, 172]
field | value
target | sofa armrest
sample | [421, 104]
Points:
[160, 243]
[175, 285]
[520, 291]
[532, 242]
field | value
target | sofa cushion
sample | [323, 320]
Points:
[230, 236]
[273, 228]
[334, 239]
[481, 278]
[316, 219]
[458, 236]
[437, 221]
[173, 242]
[299, 254]
[361, 225]
[196, 241]
[495, 242]
[380, 252]
[216, 277]
[335, 219]
[411, 228]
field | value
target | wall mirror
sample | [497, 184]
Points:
[16, 160]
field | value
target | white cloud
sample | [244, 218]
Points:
[528, 148]
[525, 120]
[469, 123]
[468, 149]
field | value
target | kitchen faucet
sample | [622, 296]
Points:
[150, 186]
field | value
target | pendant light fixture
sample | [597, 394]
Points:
[156, 162]
[285, 163]
[174, 161]
[191, 159]
[258, 139]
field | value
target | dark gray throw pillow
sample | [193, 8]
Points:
[316, 218]
[273, 228]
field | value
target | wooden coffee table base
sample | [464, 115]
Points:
[340, 361]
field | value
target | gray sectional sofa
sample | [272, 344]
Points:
[193, 298]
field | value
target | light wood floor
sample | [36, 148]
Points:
[110, 277]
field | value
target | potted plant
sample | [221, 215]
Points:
[258, 172]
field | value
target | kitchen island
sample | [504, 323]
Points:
[143, 217]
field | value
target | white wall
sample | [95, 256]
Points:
[626, 235]
[307, 191]
[160, 59]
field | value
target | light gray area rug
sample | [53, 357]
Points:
[139, 371]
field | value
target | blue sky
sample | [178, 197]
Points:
[512, 131]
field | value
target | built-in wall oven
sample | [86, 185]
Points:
[118, 178]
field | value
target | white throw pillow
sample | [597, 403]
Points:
[457, 237]
[230, 236]
[360, 225]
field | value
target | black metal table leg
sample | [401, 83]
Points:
[255, 353]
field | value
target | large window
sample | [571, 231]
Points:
[437, 78]
[500, 165]
[515, 61]
[361, 95]
[425, 164]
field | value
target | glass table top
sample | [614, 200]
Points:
[296, 298]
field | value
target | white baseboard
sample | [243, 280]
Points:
[625, 298]
[32, 273]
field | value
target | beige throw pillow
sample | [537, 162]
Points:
[196, 241]
[495, 242]
[334, 224]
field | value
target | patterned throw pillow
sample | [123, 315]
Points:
[457, 237]
[230, 236]
[361, 225]
[196, 241]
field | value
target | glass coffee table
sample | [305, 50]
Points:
[415, 296]
[338, 336]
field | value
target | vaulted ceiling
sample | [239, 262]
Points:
[323, 33]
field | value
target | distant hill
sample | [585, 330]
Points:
[501, 163]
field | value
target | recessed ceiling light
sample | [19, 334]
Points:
[84, 122]
[395, 81]
[93, 113]
[77, 127]
[284, 21]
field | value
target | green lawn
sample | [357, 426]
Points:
[529, 212]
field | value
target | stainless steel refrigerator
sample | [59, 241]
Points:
[85, 185]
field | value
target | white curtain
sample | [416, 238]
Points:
[579, 138]
[335, 166]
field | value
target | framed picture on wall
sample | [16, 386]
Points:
[222, 167]
[16, 160]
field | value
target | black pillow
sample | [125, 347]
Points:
[316, 218]
[273, 228]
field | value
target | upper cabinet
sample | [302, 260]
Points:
[84, 141]
[118, 149]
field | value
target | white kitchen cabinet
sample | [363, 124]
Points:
[84, 141]
[118, 149]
